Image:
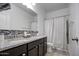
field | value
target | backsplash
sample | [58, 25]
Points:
[10, 34]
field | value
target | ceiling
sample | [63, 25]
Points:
[48, 7]
[31, 12]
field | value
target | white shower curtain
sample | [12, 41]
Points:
[49, 30]
[56, 32]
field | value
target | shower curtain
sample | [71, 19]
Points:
[49, 30]
[55, 29]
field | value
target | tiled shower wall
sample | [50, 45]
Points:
[10, 34]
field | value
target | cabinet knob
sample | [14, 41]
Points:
[23, 54]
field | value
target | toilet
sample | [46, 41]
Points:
[49, 47]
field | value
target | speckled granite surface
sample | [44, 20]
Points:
[20, 41]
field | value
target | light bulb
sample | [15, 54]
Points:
[29, 5]
[33, 4]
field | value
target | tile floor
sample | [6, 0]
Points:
[55, 52]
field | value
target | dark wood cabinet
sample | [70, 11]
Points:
[45, 46]
[16, 51]
[34, 48]
[45, 49]
[41, 49]
[33, 52]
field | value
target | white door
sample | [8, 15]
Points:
[72, 44]
[74, 29]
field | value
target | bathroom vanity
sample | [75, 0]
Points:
[35, 46]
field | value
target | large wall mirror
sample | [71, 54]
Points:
[31, 12]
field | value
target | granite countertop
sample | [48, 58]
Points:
[20, 41]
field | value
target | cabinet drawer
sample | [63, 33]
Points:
[34, 43]
[40, 41]
[45, 39]
[14, 51]
[41, 49]
[33, 52]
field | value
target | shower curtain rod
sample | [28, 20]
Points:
[57, 17]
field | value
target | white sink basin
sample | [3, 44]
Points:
[21, 40]
[18, 41]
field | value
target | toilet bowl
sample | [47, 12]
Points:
[49, 47]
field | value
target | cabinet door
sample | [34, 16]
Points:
[45, 48]
[45, 45]
[33, 52]
[41, 49]
[16, 51]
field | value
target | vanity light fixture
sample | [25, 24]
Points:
[33, 4]
[4, 6]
